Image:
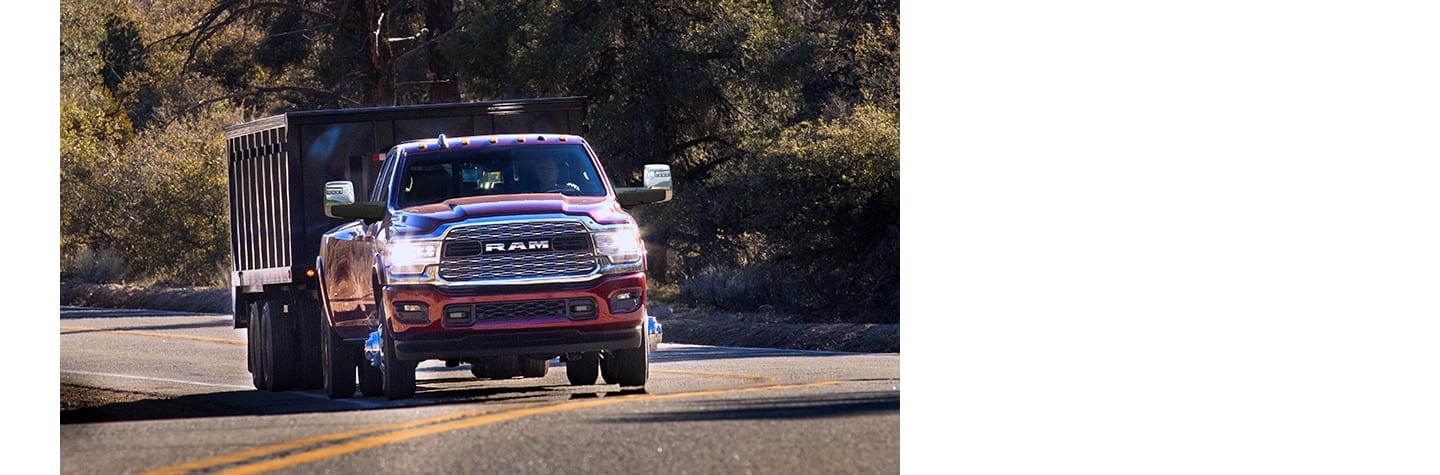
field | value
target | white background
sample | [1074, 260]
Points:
[1170, 237]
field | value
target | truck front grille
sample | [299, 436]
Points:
[467, 314]
[569, 254]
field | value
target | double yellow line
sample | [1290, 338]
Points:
[311, 449]
[267, 458]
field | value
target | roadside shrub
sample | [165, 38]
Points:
[90, 266]
[721, 288]
[747, 288]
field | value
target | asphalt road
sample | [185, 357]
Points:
[166, 392]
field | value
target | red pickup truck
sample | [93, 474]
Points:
[501, 251]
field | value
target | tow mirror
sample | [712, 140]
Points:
[656, 189]
[340, 203]
[657, 176]
[338, 193]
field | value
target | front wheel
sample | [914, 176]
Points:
[628, 367]
[398, 376]
[337, 364]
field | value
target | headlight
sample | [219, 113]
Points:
[620, 249]
[621, 245]
[410, 257]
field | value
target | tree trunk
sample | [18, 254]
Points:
[440, 18]
[366, 26]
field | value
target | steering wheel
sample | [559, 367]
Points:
[563, 188]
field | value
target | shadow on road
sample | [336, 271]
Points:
[670, 354]
[429, 392]
[779, 408]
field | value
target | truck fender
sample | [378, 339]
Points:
[324, 293]
[379, 271]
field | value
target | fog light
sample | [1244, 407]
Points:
[458, 315]
[581, 309]
[625, 301]
[414, 312]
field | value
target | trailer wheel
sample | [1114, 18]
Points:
[582, 371]
[277, 356]
[500, 367]
[337, 364]
[272, 341]
[534, 368]
[253, 343]
[398, 376]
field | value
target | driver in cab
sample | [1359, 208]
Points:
[544, 176]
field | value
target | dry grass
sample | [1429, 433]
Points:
[183, 299]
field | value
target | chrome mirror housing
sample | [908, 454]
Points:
[338, 193]
[657, 176]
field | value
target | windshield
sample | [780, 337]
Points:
[433, 177]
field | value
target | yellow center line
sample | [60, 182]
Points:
[756, 379]
[423, 427]
[151, 334]
[294, 444]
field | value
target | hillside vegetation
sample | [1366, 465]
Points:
[780, 120]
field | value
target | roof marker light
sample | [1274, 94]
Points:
[492, 139]
[562, 138]
[520, 139]
[422, 145]
[464, 141]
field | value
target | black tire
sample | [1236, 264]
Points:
[582, 371]
[607, 368]
[372, 381]
[309, 326]
[337, 365]
[503, 367]
[534, 368]
[629, 367]
[253, 342]
[275, 346]
[398, 376]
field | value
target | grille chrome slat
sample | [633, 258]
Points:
[515, 230]
[465, 266]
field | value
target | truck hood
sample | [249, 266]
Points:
[425, 219]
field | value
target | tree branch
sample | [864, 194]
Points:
[702, 170]
[264, 90]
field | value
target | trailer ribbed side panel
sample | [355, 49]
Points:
[259, 194]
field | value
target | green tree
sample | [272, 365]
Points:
[779, 118]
